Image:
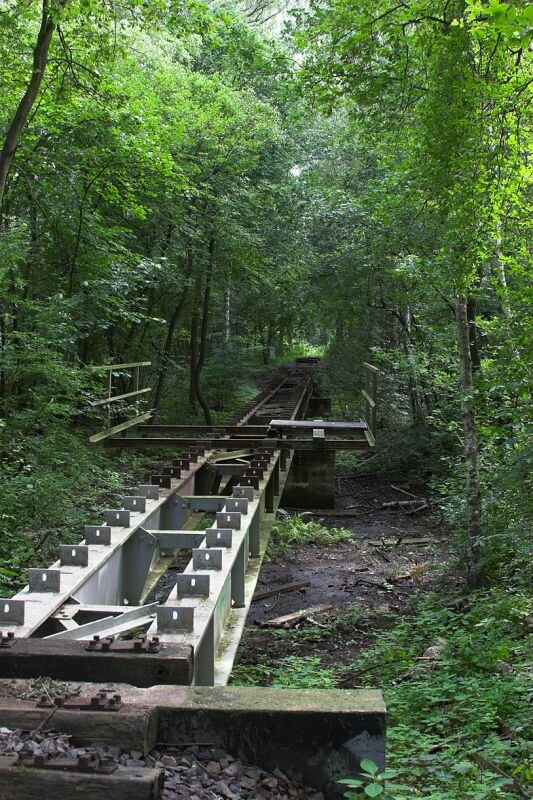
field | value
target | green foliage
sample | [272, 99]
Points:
[472, 701]
[52, 484]
[375, 783]
[422, 196]
[291, 672]
[290, 531]
[460, 722]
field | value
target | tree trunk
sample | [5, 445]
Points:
[471, 448]
[415, 394]
[501, 278]
[203, 335]
[473, 338]
[227, 314]
[194, 341]
[40, 59]
[2, 371]
[167, 346]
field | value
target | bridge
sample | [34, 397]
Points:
[100, 614]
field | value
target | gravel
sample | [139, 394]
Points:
[192, 772]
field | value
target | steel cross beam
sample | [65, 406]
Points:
[286, 443]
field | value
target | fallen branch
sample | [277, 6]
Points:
[402, 503]
[383, 555]
[274, 604]
[420, 508]
[485, 763]
[403, 491]
[283, 589]
[357, 672]
[399, 541]
[314, 621]
[379, 585]
[289, 620]
[339, 513]
[385, 586]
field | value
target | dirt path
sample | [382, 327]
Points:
[393, 555]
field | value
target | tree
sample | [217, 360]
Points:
[451, 86]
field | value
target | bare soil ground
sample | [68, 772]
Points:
[395, 553]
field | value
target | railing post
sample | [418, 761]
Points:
[370, 393]
[134, 391]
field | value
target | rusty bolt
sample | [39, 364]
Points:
[117, 698]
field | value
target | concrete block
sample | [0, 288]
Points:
[218, 537]
[320, 733]
[311, 480]
[203, 558]
[135, 503]
[149, 491]
[236, 504]
[229, 519]
[192, 585]
[175, 618]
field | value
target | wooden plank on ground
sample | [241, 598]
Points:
[283, 589]
[126, 783]
[288, 620]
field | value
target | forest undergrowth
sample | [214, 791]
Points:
[455, 668]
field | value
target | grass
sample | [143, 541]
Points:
[460, 726]
[52, 485]
[291, 672]
[289, 532]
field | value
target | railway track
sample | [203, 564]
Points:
[87, 618]
[76, 613]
